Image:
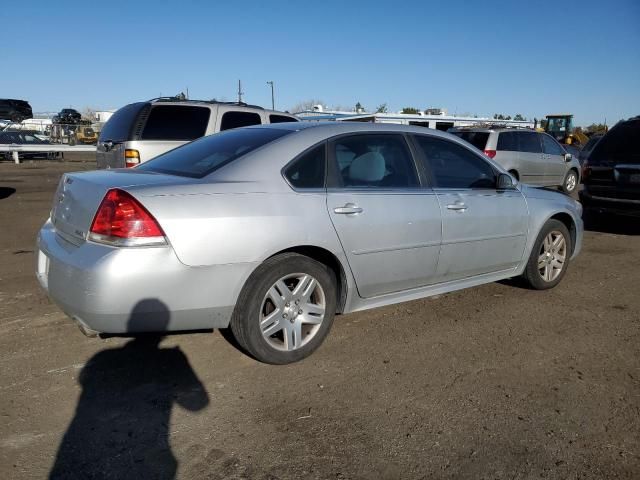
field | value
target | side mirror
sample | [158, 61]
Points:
[505, 182]
[568, 157]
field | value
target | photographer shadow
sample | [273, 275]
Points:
[121, 425]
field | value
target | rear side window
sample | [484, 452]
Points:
[373, 160]
[507, 142]
[454, 166]
[119, 127]
[528, 142]
[202, 157]
[281, 119]
[550, 146]
[239, 119]
[477, 139]
[308, 171]
[619, 145]
[176, 122]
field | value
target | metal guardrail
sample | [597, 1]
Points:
[14, 149]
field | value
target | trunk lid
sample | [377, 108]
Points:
[79, 195]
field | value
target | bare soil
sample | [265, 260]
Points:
[493, 382]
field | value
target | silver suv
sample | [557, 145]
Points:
[531, 157]
[143, 130]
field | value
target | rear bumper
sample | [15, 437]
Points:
[611, 205]
[128, 290]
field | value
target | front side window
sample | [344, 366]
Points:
[176, 122]
[454, 166]
[308, 171]
[202, 157]
[239, 119]
[528, 142]
[550, 146]
[373, 160]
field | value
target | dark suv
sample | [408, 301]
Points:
[14, 110]
[68, 115]
[612, 171]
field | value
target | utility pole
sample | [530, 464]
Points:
[240, 92]
[273, 101]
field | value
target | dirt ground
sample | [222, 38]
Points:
[493, 382]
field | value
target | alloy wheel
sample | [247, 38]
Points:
[571, 182]
[292, 311]
[552, 256]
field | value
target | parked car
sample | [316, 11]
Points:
[141, 131]
[68, 116]
[531, 157]
[15, 110]
[612, 171]
[588, 147]
[274, 229]
[24, 137]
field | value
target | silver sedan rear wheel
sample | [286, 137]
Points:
[552, 255]
[292, 311]
[285, 309]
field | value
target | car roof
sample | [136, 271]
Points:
[496, 130]
[329, 129]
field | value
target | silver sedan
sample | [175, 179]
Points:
[273, 230]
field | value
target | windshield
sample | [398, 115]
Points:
[557, 125]
[201, 157]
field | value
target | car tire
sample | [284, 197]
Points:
[548, 262]
[570, 182]
[271, 324]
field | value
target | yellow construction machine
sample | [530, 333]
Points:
[560, 127]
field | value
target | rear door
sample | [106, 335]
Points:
[389, 226]
[531, 163]
[555, 163]
[484, 230]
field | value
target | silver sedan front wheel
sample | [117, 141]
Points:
[553, 254]
[570, 181]
[292, 311]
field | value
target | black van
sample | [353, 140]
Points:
[15, 110]
[611, 172]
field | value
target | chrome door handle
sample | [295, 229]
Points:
[457, 206]
[348, 209]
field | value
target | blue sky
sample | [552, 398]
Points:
[479, 57]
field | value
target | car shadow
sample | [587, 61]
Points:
[121, 424]
[609, 223]
[6, 192]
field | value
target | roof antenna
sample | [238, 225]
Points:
[240, 92]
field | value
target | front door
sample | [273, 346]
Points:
[389, 227]
[555, 163]
[484, 230]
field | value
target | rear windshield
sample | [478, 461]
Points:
[618, 145]
[477, 139]
[198, 159]
[118, 128]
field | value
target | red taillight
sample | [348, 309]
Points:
[121, 217]
[490, 153]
